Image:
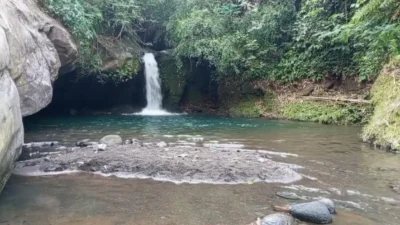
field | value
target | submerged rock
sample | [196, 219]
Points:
[83, 143]
[395, 187]
[162, 144]
[41, 144]
[111, 140]
[349, 204]
[289, 195]
[319, 212]
[53, 169]
[128, 142]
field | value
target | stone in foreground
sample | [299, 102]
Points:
[275, 219]
[111, 140]
[319, 212]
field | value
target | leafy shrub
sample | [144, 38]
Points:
[327, 113]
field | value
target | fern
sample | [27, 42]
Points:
[377, 10]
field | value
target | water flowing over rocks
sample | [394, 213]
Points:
[175, 163]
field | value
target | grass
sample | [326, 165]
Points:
[326, 113]
[255, 106]
[384, 127]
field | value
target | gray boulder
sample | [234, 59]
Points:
[319, 212]
[11, 129]
[33, 47]
[111, 140]
[37, 47]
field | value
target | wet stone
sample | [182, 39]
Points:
[83, 143]
[278, 219]
[53, 169]
[319, 212]
[289, 195]
[128, 142]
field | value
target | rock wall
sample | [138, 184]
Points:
[39, 46]
[173, 81]
[11, 130]
[33, 47]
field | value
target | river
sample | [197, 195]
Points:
[335, 164]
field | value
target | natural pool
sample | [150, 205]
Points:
[336, 164]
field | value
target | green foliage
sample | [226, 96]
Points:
[87, 19]
[314, 53]
[254, 106]
[126, 72]
[327, 113]
[245, 39]
[376, 34]
[377, 10]
[245, 108]
[235, 41]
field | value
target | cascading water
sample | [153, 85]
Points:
[153, 87]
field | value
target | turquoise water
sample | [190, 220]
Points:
[253, 132]
[334, 159]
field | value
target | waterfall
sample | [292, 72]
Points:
[153, 87]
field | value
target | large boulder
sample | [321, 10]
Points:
[11, 129]
[38, 47]
[33, 47]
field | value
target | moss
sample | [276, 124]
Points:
[173, 79]
[327, 113]
[254, 106]
[384, 127]
[245, 108]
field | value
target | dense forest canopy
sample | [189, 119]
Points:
[282, 40]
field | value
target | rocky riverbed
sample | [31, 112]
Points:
[177, 162]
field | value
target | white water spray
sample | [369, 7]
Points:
[153, 87]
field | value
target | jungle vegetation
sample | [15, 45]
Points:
[278, 40]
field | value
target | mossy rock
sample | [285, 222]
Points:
[327, 113]
[173, 79]
[383, 128]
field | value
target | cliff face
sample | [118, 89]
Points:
[33, 49]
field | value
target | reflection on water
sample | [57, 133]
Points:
[336, 164]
